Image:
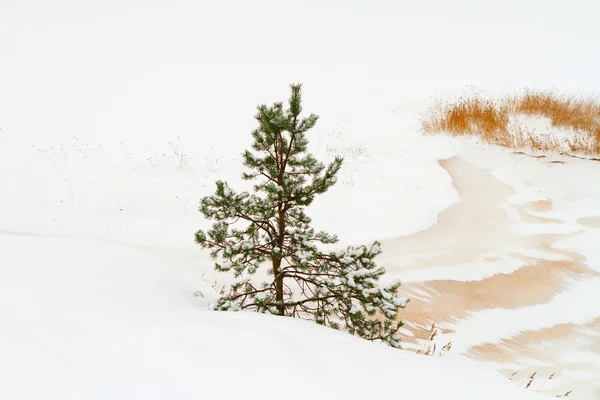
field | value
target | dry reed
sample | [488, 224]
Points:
[430, 348]
[528, 381]
[497, 122]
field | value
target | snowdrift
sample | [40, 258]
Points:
[85, 319]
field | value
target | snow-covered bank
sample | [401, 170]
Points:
[85, 319]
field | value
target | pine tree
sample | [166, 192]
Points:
[270, 229]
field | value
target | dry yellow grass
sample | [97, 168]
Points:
[430, 348]
[497, 122]
[528, 381]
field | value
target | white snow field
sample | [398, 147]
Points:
[117, 117]
[92, 320]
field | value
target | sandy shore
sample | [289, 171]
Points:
[476, 233]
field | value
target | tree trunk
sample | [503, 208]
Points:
[281, 229]
[277, 263]
[278, 286]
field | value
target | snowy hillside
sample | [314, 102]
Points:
[116, 118]
[85, 319]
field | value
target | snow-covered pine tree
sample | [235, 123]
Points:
[270, 229]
